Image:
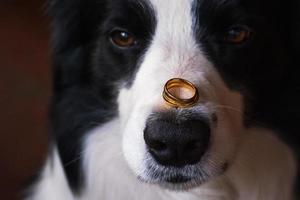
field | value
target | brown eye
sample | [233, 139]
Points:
[122, 38]
[238, 35]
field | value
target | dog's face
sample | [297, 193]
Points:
[238, 54]
[226, 48]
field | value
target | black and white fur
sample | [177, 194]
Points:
[104, 96]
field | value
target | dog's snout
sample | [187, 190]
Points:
[177, 143]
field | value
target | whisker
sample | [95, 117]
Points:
[80, 155]
[219, 106]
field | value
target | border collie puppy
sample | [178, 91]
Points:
[114, 136]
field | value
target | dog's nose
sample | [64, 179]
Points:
[177, 144]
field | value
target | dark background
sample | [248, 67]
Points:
[24, 92]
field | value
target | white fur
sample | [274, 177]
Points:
[264, 168]
[53, 183]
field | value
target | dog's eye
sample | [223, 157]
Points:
[122, 38]
[238, 35]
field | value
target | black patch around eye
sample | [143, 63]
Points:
[123, 39]
[261, 69]
[136, 17]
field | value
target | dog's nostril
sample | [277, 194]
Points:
[192, 146]
[157, 145]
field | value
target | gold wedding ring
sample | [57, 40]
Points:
[173, 100]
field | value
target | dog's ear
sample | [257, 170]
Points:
[74, 27]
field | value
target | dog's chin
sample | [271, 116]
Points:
[176, 182]
[181, 179]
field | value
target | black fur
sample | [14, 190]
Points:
[266, 68]
[86, 67]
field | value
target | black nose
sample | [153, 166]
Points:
[177, 143]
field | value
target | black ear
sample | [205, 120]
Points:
[74, 27]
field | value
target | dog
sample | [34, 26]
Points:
[114, 136]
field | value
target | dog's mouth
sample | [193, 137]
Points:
[181, 178]
[174, 182]
[178, 179]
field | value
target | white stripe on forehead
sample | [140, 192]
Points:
[174, 43]
[174, 19]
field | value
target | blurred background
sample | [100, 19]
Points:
[25, 84]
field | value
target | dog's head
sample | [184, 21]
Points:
[238, 54]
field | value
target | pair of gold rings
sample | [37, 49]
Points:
[174, 100]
